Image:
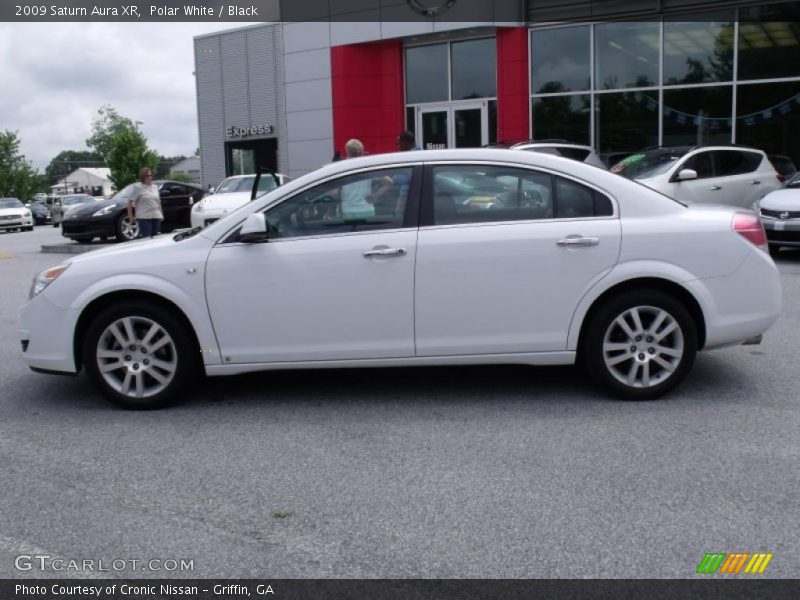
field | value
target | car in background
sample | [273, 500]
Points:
[232, 193]
[281, 284]
[41, 213]
[731, 175]
[780, 215]
[784, 165]
[109, 218]
[579, 152]
[66, 203]
[14, 215]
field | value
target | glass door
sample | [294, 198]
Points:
[434, 128]
[464, 125]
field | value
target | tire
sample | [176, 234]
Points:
[633, 365]
[124, 230]
[139, 355]
[55, 224]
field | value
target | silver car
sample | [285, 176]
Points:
[66, 203]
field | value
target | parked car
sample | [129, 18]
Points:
[109, 218]
[67, 203]
[783, 165]
[563, 148]
[229, 195]
[731, 175]
[780, 215]
[41, 214]
[14, 215]
[569, 273]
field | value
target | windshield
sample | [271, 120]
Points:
[794, 182]
[245, 184]
[10, 203]
[649, 163]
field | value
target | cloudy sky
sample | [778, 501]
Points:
[56, 75]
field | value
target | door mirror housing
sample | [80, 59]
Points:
[255, 229]
[686, 175]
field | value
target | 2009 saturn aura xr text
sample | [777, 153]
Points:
[421, 258]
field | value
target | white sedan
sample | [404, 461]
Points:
[14, 215]
[567, 263]
[232, 193]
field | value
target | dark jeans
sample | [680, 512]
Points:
[148, 227]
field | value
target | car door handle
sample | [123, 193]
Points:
[384, 252]
[714, 188]
[755, 182]
[576, 240]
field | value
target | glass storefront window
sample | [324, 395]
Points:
[626, 122]
[697, 116]
[769, 41]
[626, 55]
[560, 60]
[768, 117]
[426, 74]
[474, 69]
[562, 117]
[699, 51]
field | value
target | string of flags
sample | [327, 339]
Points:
[682, 118]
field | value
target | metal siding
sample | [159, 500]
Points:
[235, 79]
[210, 100]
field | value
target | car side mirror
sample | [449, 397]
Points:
[255, 229]
[687, 174]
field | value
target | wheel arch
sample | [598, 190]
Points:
[103, 302]
[651, 283]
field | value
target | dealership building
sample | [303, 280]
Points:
[613, 74]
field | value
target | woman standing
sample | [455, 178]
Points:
[146, 201]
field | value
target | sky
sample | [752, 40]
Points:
[55, 76]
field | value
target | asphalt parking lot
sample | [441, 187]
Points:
[494, 472]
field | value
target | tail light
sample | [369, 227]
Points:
[748, 225]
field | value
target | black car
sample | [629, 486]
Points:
[41, 214]
[109, 218]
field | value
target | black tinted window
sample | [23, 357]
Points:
[735, 162]
[578, 154]
[574, 201]
[701, 163]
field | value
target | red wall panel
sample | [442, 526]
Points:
[513, 104]
[367, 86]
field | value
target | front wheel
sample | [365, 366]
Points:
[125, 229]
[640, 345]
[139, 355]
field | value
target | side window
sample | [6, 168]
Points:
[735, 162]
[700, 162]
[484, 194]
[363, 202]
[578, 154]
[576, 201]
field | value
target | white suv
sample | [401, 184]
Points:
[732, 175]
[584, 154]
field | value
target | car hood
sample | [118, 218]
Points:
[225, 201]
[13, 211]
[88, 209]
[786, 199]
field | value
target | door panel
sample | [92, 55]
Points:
[314, 298]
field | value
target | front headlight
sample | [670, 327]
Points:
[45, 278]
[27, 214]
[104, 211]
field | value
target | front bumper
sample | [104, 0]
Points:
[84, 228]
[15, 222]
[46, 335]
[783, 232]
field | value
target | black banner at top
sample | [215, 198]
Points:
[498, 12]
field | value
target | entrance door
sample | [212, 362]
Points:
[458, 126]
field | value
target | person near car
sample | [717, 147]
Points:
[356, 197]
[144, 205]
[406, 141]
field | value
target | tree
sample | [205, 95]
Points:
[105, 128]
[128, 152]
[180, 176]
[66, 161]
[17, 177]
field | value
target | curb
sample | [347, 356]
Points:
[73, 248]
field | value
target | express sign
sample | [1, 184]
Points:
[245, 131]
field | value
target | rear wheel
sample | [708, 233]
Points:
[139, 355]
[125, 229]
[640, 345]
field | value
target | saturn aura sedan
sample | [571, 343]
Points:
[569, 263]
